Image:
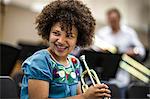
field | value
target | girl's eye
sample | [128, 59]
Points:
[56, 33]
[70, 35]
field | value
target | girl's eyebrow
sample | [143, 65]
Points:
[56, 30]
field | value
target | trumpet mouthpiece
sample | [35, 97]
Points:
[82, 57]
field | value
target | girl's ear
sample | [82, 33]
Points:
[75, 47]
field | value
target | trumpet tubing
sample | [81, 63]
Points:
[93, 78]
[92, 74]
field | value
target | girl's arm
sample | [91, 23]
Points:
[39, 89]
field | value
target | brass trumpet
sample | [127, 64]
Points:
[92, 74]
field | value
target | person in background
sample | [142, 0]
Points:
[120, 36]
[124, 39]
[53, 72]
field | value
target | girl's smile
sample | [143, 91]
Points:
[60, 47]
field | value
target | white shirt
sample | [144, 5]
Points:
[124, 39]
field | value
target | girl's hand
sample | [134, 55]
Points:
[97, 92]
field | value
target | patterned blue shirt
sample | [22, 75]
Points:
[62, 80]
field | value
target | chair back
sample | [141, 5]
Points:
[138, 91]
[8, 58]
[115, 92]
[8, 89]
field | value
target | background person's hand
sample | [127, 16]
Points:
[130, 52]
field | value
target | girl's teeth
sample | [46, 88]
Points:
[61, 47]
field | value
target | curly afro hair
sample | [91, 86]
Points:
[68, 13]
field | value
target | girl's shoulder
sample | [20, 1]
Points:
[39, 55]
[37, 66]
[42, 52]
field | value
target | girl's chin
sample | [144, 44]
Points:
[61, 54]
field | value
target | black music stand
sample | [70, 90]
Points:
[27, 49]
[105, 64]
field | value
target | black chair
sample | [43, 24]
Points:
[8, 89]
[138, 92]
[115, 91]
[8, 58]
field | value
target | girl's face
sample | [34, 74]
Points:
[62, 43]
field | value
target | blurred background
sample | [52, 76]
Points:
[18, 16]
[17, 19]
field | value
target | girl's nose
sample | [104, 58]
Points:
[62, 39]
